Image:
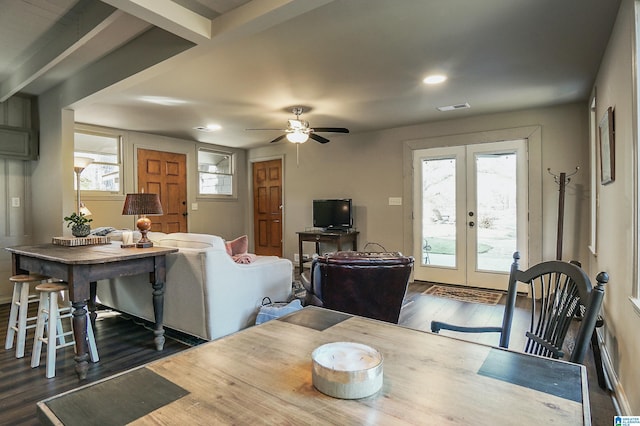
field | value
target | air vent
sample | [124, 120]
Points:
[452, 107]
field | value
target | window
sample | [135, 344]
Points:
[215, 172]
[104, 173]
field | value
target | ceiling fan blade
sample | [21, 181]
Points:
[318, 138]
[278, 138]
[331, 129]
[281, 130]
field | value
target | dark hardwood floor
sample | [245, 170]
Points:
[124, 344]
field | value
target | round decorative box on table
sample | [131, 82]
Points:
[347, 370]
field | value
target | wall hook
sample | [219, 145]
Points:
[562, 176]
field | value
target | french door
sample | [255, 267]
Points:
[471, 214]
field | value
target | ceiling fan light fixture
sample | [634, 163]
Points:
[297, 137]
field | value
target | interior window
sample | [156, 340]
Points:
[215, 172]
[103, 174]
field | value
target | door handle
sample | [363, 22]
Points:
[185, 214]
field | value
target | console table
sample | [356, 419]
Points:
[336, 237]
[82, 266]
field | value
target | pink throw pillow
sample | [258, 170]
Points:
[238, 246]
[244, 258]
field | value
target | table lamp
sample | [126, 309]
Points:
[143, 204]
[84, 210]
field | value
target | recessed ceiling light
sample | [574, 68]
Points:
[435, 79]
[454, 107]
[209, 128]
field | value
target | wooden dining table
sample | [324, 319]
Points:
[82, 266]
[263, 375]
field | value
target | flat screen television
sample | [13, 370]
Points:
[332, 214]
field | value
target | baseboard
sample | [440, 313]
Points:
[620, 401]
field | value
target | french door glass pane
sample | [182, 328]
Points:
[496, 211]
[439, 212]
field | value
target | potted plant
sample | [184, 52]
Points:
[79, 224]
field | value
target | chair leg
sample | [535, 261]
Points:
[22, 320]
[50, 316]
[52, 336]
[13, 317]
[91, 340]
[60, 332]
[597, 359]
[40, 324]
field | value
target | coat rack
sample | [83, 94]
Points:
[562, 179]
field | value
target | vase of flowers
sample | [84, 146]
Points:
[79, 224]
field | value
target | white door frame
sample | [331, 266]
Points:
[465, 270]
[533, 135]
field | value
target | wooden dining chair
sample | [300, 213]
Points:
[557, 290]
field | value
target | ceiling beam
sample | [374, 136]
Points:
[259, 15]
[243, 21]
[169, 16]
[92, 16]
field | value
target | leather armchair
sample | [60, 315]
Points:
[372, 285]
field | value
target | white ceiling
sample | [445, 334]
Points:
[354, 63]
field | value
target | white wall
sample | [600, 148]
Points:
[14, 183]
[225, 218]
[370, 168]
[616, 225]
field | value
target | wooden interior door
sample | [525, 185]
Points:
[165, 174]
[267, 207]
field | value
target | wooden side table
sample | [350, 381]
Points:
[339, 238]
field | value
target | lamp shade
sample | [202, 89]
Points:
[81, 162]
[142, 204]
[84, 210]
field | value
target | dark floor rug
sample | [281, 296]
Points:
[464, 294]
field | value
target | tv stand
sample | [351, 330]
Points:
[338, 237]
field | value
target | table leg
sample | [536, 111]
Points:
[80, 336]
[300, 261]
[158, 312]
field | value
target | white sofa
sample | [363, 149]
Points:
[207, 294]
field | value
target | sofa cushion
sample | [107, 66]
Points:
[191, 240]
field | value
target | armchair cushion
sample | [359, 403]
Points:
[361, 283]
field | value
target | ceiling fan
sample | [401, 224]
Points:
[298, 131]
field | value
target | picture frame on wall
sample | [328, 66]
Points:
[607, 148]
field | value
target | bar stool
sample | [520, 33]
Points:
[49, 310]
[19, 321]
